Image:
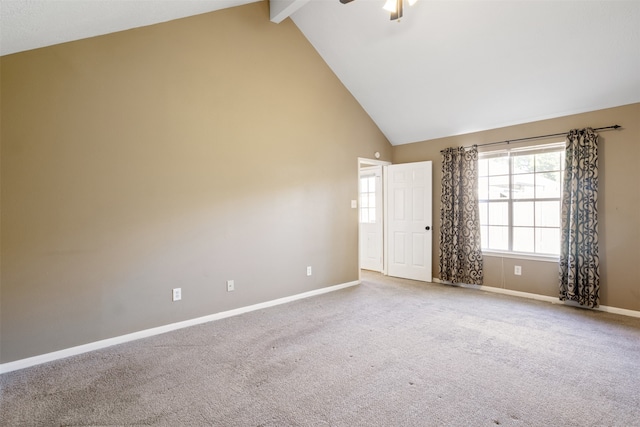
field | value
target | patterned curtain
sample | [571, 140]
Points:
[460, 246]
[579, 261]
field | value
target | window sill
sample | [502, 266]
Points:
[516, 255]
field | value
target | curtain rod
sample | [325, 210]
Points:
[509, 141]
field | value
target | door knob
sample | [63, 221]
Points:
[427, 228]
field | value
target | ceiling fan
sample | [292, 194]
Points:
[393, 6]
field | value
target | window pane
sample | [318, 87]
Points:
[498, 238]
[483, 188]
[372, 215]
[523, 164]
[499, 187]
[484, 216]
[548, 162]
[364, 215]
[523, 214]
[372, 184]
[499, 165]
[483, 167]
[548, 214]
[523, 186]
[548, 241]
[519, 200]
[372, 200]
[363, 185]
[548, 184]
[498, 213]
[364, 200]
[484, 237]
[523, 239]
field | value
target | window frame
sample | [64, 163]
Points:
[510, 153]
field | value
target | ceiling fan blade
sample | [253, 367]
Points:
[345, 1]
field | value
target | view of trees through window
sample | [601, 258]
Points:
[519, 194]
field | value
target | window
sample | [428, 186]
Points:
[519, 193]
[368, 199]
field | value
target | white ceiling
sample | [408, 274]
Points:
[449, 67]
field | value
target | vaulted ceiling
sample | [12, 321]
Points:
[448, 67]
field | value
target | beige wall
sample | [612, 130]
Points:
[618, 203]
[178, 155]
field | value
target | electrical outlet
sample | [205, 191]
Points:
[231, 286]
[309, 271]
[354, 204]
[177, 294]
[517, 270]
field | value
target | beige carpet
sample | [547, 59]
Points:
[386, 353]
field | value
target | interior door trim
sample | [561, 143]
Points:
[372, 162]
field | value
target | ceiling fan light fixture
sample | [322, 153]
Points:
[394, 7]
[391, 6]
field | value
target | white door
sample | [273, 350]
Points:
[409, 220]
[370, 212]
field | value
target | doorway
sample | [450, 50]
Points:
[394, 218]
[371, 214]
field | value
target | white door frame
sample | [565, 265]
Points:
[373, 162]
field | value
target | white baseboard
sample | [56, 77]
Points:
[616, 310]
[553, 300]
[97, 345]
